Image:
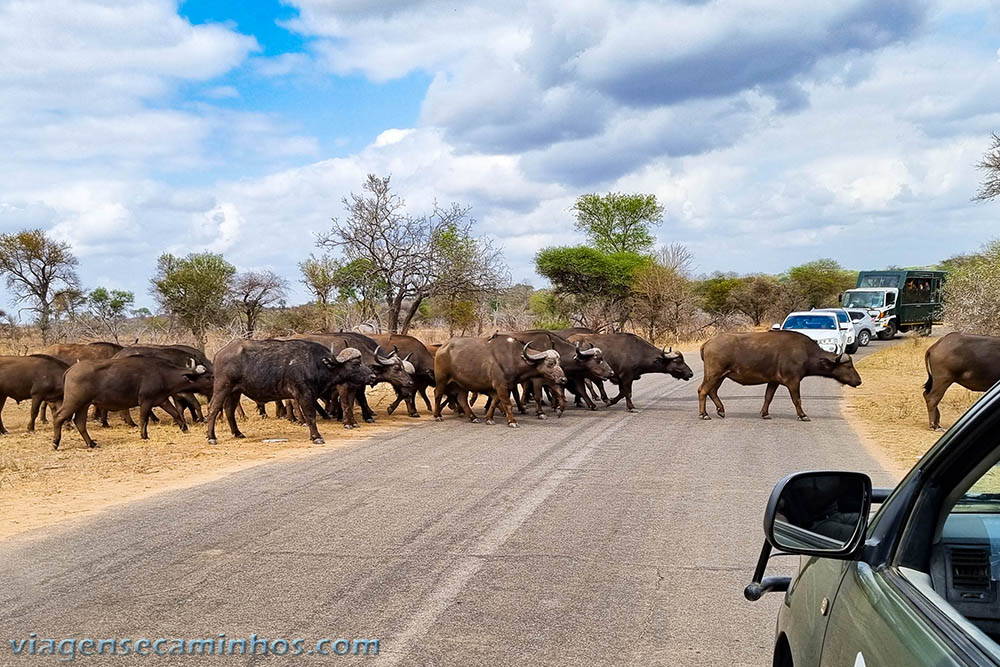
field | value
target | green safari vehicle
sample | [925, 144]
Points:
[915, 584]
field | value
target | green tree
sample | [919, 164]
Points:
[618, 222]
[821, 281]
[598, 281]
[715, 293]
[319, 277]
[36, 269]
[110, 308]
[756, 296]
[195, 289]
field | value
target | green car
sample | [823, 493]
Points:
[917, 583]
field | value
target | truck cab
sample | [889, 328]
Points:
[898, 300]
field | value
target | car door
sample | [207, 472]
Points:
[874, 621]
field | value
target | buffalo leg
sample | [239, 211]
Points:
[80, 420]
[126, 417]
[423, 394]
[581, 393]
[793, 391]
[44, 410]
[176, 414]
[768, 397]
[503, 398]
[261, 409]
[307, 404]
[346, 395]
[230, 409]
[239, 410]
[219, 396]
[517, 399]
[36, 403]
[395, 404]
[3, 430]
[439, 399]
[933, 399]
[703, 388]
[463, 404]
[366, 411]
[411, 404]
[145, 409]
[536, 389]
[713, 393]
[624, 391]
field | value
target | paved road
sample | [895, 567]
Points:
[602, 538]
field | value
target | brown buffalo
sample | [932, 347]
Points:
[971, 361]
[275, 370]
[631, 357]
[120, 384]
[71, 353]
[177, 355]
[491, 366]
[771, 358]
[580, 361]
[37, 376]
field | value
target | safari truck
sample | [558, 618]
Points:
[898, 300]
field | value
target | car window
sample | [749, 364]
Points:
[810, 322]
[856, 315]
[842, 316]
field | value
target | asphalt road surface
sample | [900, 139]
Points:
[602, 538]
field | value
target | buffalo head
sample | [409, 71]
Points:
[841, 368]
[547, 363]
[593, 361]
[391, 368]
[673, 363]
[349, 366]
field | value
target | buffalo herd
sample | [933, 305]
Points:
[326, 375]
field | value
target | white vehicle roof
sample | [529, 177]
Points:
[827, 312]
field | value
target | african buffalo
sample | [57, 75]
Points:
[492, 366]
[385, 364]
[120, 384]
[74, 352]
[37, 376]
[177, 355]
[631, 357]
[273, 370]
[417, 354]
[771, 358]
[580, 361]
[971, 361]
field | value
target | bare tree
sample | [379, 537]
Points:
[990, 187]
[677, 257]
[252, 292]
[662, 300]
[37, 268]
[405, 253]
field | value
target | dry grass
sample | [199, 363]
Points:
[39, 486]
[889, 407]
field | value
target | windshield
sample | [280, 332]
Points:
[864, 299]
[810, 322]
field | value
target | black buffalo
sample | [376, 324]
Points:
[275, 370]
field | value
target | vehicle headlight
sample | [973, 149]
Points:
[828, 341]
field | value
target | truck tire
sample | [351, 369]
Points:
[864, 337]
[889, 332]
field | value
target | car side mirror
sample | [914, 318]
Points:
[775, 327]
[823, 513]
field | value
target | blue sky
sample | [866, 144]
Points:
[773, 132]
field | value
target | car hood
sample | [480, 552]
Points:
[817, 334]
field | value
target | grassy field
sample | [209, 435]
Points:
[889, 409]
[39, 486]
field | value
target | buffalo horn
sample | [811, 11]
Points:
[385, 361]
[533, 355]
[589, 352]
